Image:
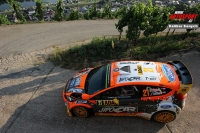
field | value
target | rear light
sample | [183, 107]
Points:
[180, 97]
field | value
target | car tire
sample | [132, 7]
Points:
[81, 111]
[164, 116]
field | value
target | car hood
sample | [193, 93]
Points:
[77, 82]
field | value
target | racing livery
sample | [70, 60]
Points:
[152, 90]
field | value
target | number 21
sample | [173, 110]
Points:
[145, 93]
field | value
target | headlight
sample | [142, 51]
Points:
[70, 99]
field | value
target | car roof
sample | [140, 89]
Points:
[141, 73]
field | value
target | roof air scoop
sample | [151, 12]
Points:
[126, 69]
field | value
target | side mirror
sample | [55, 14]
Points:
[85, 96]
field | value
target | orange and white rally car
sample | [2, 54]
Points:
[152, 90]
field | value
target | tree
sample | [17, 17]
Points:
[59, 11]
[39, 9]
[158, 19]
[16, 7]
[119, 13]
[136, 18]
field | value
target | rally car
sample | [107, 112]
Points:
[152, 90]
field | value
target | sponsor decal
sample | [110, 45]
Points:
[75, 90]
[148, 70]
[178, 15]
[148, 63]
[123, 96]
[183, 26]
[165, 106]
[150, 78]
[87, 71]
[81, 101]
[146, 93]
[184, 88]
[118, 109]
[168, 72]
[116, 70]
[139, 67]
[129, 62]
[155, 91]
[66, 103]
[129, 79]
[72, 83]
[77, 82]
[150, 91]
[115, 101]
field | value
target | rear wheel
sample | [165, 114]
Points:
[81, 111]
[164, 116]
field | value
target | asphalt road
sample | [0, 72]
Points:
[30, 100]
[17, 39]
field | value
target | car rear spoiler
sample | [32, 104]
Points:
[183, 75]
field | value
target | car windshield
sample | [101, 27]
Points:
[98, 79]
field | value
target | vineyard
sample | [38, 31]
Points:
[138, 17]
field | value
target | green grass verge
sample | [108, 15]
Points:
[100, 51]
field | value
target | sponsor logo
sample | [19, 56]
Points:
[115, 101]
[75, 90]
[121, 97]
[178, 15]
[81, 101]
[116, 70]
[129, 79]
[168, 72]
[118, 109]
[148, 70]
[183, 26]
[77, 82]
[72, 83]
[150, 78]
[148, 63]
[165, 106]
[128, 62]
[78, 75]
[139, 67]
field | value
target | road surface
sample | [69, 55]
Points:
[16, 39]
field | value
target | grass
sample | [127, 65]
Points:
[100, 51]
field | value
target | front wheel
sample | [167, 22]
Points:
[164, 116]
[81, 111]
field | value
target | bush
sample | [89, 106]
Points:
[4, 20]
[101, 50]
[74, 15]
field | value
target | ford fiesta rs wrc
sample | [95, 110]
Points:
[152, 90]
